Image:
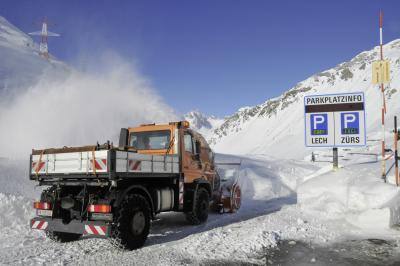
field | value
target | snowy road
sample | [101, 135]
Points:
[172, 242]
[269, 218]
[366, 252]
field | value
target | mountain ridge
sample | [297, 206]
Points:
[202, 123]
[346, 76]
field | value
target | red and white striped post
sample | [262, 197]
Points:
[383, 100]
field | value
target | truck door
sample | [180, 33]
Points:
[191, 163]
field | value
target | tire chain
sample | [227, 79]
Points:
[115, 238]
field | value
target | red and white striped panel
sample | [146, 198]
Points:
[37, 224]
[181, 193]
[91, 229]
[134, 165]
[100, 164]
[37, 167]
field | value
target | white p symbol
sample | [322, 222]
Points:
[318, 119]
[348, 118]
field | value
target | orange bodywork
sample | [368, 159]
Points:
[194, 165]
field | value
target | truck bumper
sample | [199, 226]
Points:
[98, 228]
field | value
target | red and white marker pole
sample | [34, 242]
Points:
[383, 100]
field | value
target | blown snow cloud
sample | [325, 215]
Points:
[79, 109]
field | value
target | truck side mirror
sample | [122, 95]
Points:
[123, 137]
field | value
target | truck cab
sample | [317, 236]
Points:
[176, 138]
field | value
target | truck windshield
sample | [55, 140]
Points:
[150, 140]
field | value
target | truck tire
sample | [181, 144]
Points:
[62, 237]
[201, 205]
[132, 223]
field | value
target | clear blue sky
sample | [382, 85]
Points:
[214, 56]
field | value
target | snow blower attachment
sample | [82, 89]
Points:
[230, 194]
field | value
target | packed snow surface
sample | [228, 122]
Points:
[269, 214]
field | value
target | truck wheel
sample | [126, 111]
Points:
[132, 223]
[199, 214]
[62, 237]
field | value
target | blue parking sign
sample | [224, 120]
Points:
[319, 124]
[335, 120]
[349, 123]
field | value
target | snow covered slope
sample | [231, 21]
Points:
[203, 123]
[62, 106]
[21, 66]
[278, 123]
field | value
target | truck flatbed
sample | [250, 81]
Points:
[109, 163]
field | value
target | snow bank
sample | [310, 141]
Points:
[264, 178]
[15, 211]
[355, 193]
[15, 214]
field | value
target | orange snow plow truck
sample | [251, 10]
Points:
[115, 192]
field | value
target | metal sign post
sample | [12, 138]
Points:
[335, 159]
[335, 120]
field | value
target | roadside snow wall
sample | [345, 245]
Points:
[354, 193]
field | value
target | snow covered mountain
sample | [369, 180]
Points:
[21, 66]
[50, 96]
[273, 126]
[203, 123]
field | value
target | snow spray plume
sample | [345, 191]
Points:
[79, 109]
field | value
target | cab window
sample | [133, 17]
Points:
[151, 140]
[188, 143]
